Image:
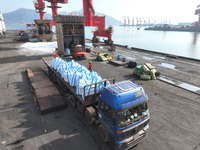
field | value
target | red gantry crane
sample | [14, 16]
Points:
[88, 11]
[98, 21]
[40, 6]
[54, 6]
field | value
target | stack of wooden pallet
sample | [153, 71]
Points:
[47, 95]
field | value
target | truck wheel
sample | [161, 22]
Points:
[89, 118]
[102, 133]
[73, 101]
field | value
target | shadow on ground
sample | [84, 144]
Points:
[21, 58]
[64, 129]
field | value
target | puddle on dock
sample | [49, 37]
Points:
[189, 87]
[166, 65]
[147, 58]
[101, 47]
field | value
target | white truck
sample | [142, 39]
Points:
[2, 26]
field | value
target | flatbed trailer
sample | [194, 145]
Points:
[87, 100]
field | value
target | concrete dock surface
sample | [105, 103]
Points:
[174, 103]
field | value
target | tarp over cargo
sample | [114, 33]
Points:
[146, 71]
[104, 57]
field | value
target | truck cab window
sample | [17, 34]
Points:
[108, 111]
[79, 49]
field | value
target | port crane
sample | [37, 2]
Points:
[40, 6]
[54, 6]
[88, 11]
[197, 12]
[98, 21]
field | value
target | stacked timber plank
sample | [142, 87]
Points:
[47, 95]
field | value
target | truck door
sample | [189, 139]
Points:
[108, 117]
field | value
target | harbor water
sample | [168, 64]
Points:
[186, 44]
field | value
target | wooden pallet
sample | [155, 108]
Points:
[118, 63]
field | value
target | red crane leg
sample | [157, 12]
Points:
[88, 11]
[102, 32]
[54, 6]
[40, 5]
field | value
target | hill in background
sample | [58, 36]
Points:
[23, 16]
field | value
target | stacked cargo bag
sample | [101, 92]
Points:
[79, 76]
[139, 70]
[64, 70]
[62, 67]
[152, 70]
[149, 66]
[68, 75]
[145, 76]
[55, 62]
[152, 73]
[146, 73]
[80, 86]
[100, 86]
[60, 63]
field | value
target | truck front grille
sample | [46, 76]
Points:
[133, 142]
[135, 130]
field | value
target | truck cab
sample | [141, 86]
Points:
[78, 51]
[123, 115]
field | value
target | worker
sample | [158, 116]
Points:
[90, 65]
[55, 55]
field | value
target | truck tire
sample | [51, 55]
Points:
[89, 118]
[73, 101]
[102, 133]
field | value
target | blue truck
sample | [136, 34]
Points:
[119, 110]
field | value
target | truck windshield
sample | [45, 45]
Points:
[79, 49]
[130, 115]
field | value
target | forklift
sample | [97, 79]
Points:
[76, 50]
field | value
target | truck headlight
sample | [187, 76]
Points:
[120, 146]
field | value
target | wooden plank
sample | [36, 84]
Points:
[38, 78]
[42, 84]
[51, 103]
[48, 91]
[45, 105]
[118, 63]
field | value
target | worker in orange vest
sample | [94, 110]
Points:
[55, 55]
[90, 65]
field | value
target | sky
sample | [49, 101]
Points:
[173, 10]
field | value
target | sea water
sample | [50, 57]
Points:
[186, 44]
